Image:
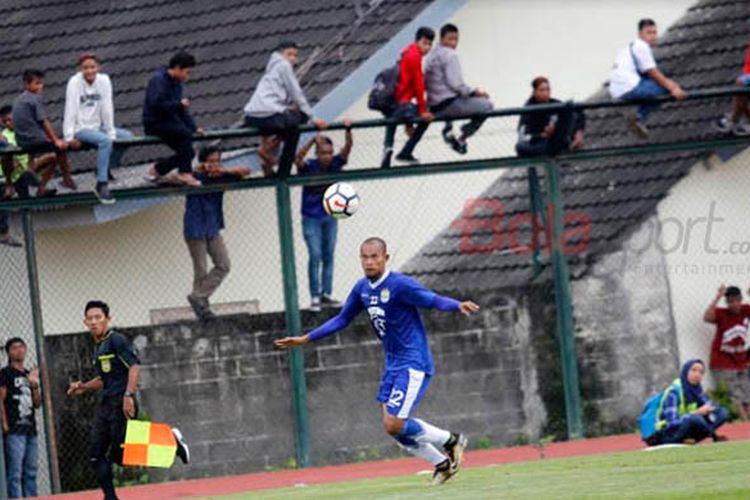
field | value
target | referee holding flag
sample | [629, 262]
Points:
[117, 368]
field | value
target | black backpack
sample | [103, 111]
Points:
[383, 93]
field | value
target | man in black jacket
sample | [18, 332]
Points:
[166, 114]
[548, 133]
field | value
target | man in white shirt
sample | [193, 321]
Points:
[635, 76]
[90, 119]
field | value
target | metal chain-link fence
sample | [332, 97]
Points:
[484, 234]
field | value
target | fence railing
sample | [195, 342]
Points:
[282, 187]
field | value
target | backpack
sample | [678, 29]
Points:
[383, 93]
[649, 421]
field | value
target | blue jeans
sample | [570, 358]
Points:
[107, 156]
[696, 427]
[21, 464]
[320, 237]
[646, 88]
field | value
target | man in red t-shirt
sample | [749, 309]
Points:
[729, 360]
[410, 89]
[731, 122]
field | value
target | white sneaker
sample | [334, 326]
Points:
[315, 304]
[741, 129]
[183, 451]
[724, 124]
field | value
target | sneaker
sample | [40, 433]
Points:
[462, 147]
[637, 126]
[199, 309]
[452, 141]
[723, 124]
[741, 129]
[442, 473]
[407, 158]
[208, 315]
[183, 450]
[720, 438]
[454, 448]
[315, 304]
[387, 154]
[328, 301]
[102, 192]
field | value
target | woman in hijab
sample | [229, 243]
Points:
[686, 410]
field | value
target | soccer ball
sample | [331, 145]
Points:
[340, 200]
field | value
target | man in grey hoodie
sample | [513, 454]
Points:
[278, 107]
[447, 94]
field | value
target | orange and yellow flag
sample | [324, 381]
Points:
[149, 444]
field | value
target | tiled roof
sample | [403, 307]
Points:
[705, 48]
[231, 39]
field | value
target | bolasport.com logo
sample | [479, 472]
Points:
[485, 226]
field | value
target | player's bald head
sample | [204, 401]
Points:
[375, 241]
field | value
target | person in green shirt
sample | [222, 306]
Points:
[21, 172]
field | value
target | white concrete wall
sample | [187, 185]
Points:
[701, 258]
[140, 262]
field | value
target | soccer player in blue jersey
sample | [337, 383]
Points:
[392, 301]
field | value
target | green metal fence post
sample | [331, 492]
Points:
[36, 316]
[564, 309]
[293, 324]
[537, 213]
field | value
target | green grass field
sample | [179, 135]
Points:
[714, 471]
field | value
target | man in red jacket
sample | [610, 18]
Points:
[410, 89]
[732, 122]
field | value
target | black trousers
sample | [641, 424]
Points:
[286, 125]
[179, 138]
[107, 437]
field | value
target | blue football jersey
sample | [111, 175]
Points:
[392, 304]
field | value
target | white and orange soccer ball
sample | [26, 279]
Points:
[340, 200]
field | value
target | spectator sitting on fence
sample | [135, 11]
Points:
[447, 94]
[687, 415]
[34, 131]
[166, 114]
[731, 122]
[18, 168]
[277, 108]
[635, 76]
[204, 220]
[548, 133]
[318, 228]
[19, 398]
[729, 358]
[90, 119]
[410, 88]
